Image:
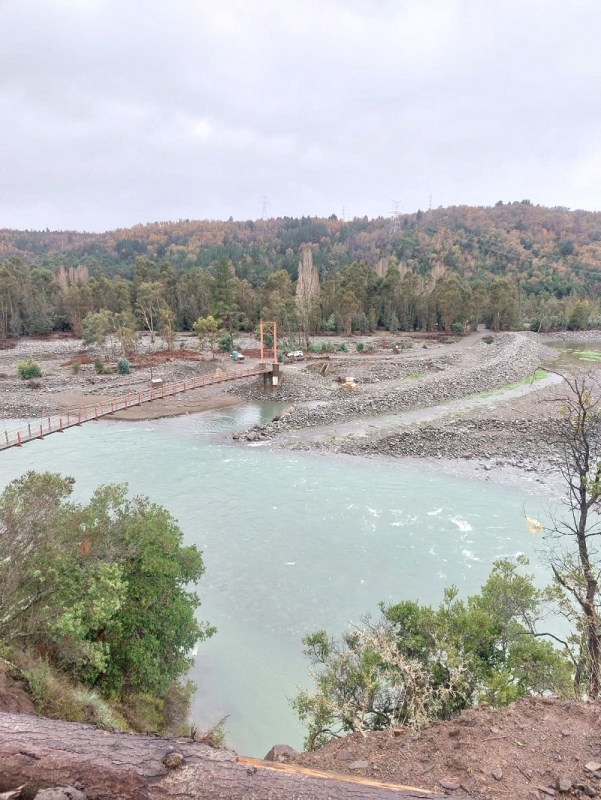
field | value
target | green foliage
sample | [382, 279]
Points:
[99, 366]
[415, 664]
[580, 316]
[123, 366]
[225, 344]
[28, 369]
[207, 329]
[76, 367]
[360, 347]
[331, 325]
[343, 347]
[104, 587]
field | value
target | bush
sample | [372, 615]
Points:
[123, 367]
[343, 348]
[75, 367]
[28, 369]
[360, 347]
[99, 366]
[133, 589]
[226, 344]
[416, 664]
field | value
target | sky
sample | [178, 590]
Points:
[119, 112]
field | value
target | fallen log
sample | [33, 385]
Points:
[43, 753]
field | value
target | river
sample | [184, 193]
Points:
[291, 542]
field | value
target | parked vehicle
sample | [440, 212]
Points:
[236, 356]
[295, 354]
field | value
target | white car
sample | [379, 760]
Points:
[295, 354]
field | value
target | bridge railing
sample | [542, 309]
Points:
[57, 423]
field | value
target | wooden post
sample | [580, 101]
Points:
[18, 439]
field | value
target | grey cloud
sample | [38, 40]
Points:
[114, 113]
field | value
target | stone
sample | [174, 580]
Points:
[343, 755]
[61, 793]
[359, 765]
[497, 773]
[546, 790]
[592, 766]
[173, 760]
[564, 784]
[449, 784]
[281, 753]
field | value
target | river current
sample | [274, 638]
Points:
[292, 543]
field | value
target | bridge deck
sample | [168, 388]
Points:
[57, 423]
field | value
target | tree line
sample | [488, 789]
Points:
[354, 298]
[509, 265]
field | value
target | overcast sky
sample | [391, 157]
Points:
[115, 112]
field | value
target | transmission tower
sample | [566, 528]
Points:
[395, 216]
[265, 204]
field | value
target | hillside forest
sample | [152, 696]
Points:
[511, 266]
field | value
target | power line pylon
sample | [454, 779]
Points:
[265, 204]
[395, 216]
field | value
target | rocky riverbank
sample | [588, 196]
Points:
[483, 367]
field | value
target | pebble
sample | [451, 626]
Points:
[358, 765]
[449, 784]
[497, 773]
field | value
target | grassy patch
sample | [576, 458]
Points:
[536, 376]
[588, 355]
[415, 375]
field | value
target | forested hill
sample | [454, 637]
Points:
[547, 247]
[412, 270]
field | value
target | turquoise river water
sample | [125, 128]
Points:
[292, 543]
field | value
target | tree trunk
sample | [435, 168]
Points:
[45, 753]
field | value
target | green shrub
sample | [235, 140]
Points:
[75, 367]
[99, 366]
[343, 348]
[225, 344]
[315, 348]
[28, 369]
[360, 347]
[123, 367]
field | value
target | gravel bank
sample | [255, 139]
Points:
[483, 367]
[60, 389]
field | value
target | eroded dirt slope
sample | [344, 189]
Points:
[522, 751]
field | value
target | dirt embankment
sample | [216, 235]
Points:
[534, 749]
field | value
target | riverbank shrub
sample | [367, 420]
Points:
[416, 664]
[123, 366]
[99, 366]
[102, 590]
[28, 369]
